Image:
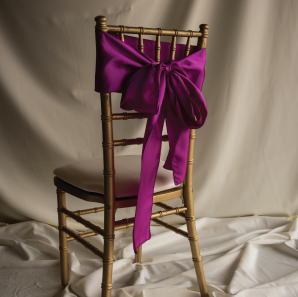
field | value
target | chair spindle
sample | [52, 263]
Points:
[187, 47]
[141, 44]
[122, 32]
[157, 46]
[173, 45]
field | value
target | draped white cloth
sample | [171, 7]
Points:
[243, 257]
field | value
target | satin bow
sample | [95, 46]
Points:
[168, 91]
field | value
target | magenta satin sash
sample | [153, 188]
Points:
[169, 91]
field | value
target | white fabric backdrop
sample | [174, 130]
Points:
[245, 155]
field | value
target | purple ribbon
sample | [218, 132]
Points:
[168, 91]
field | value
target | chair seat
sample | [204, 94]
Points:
[87, 175]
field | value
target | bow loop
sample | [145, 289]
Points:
[143, 92]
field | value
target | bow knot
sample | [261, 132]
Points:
[172, 67]
[166, 67]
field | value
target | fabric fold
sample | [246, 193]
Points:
[168, 91]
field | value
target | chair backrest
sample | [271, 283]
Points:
[107, 115]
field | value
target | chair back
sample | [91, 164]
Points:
[160, 54]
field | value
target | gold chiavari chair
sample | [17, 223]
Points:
[107, 195]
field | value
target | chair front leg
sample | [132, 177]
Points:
[138, 256]
[62, 237]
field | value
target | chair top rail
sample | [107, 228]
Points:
[153, 31]
[101, 25]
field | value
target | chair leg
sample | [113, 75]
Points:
[109, 218]
[138, 256]
[194, 244]
[62, 238]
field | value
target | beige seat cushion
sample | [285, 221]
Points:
[88, 175]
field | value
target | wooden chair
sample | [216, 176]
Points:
[107, 195]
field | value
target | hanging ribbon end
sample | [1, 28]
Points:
[137, 244]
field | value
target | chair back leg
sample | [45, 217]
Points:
[194, 244]
[190, 219]
[109, 188]
[62, 237]
[109, 218]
